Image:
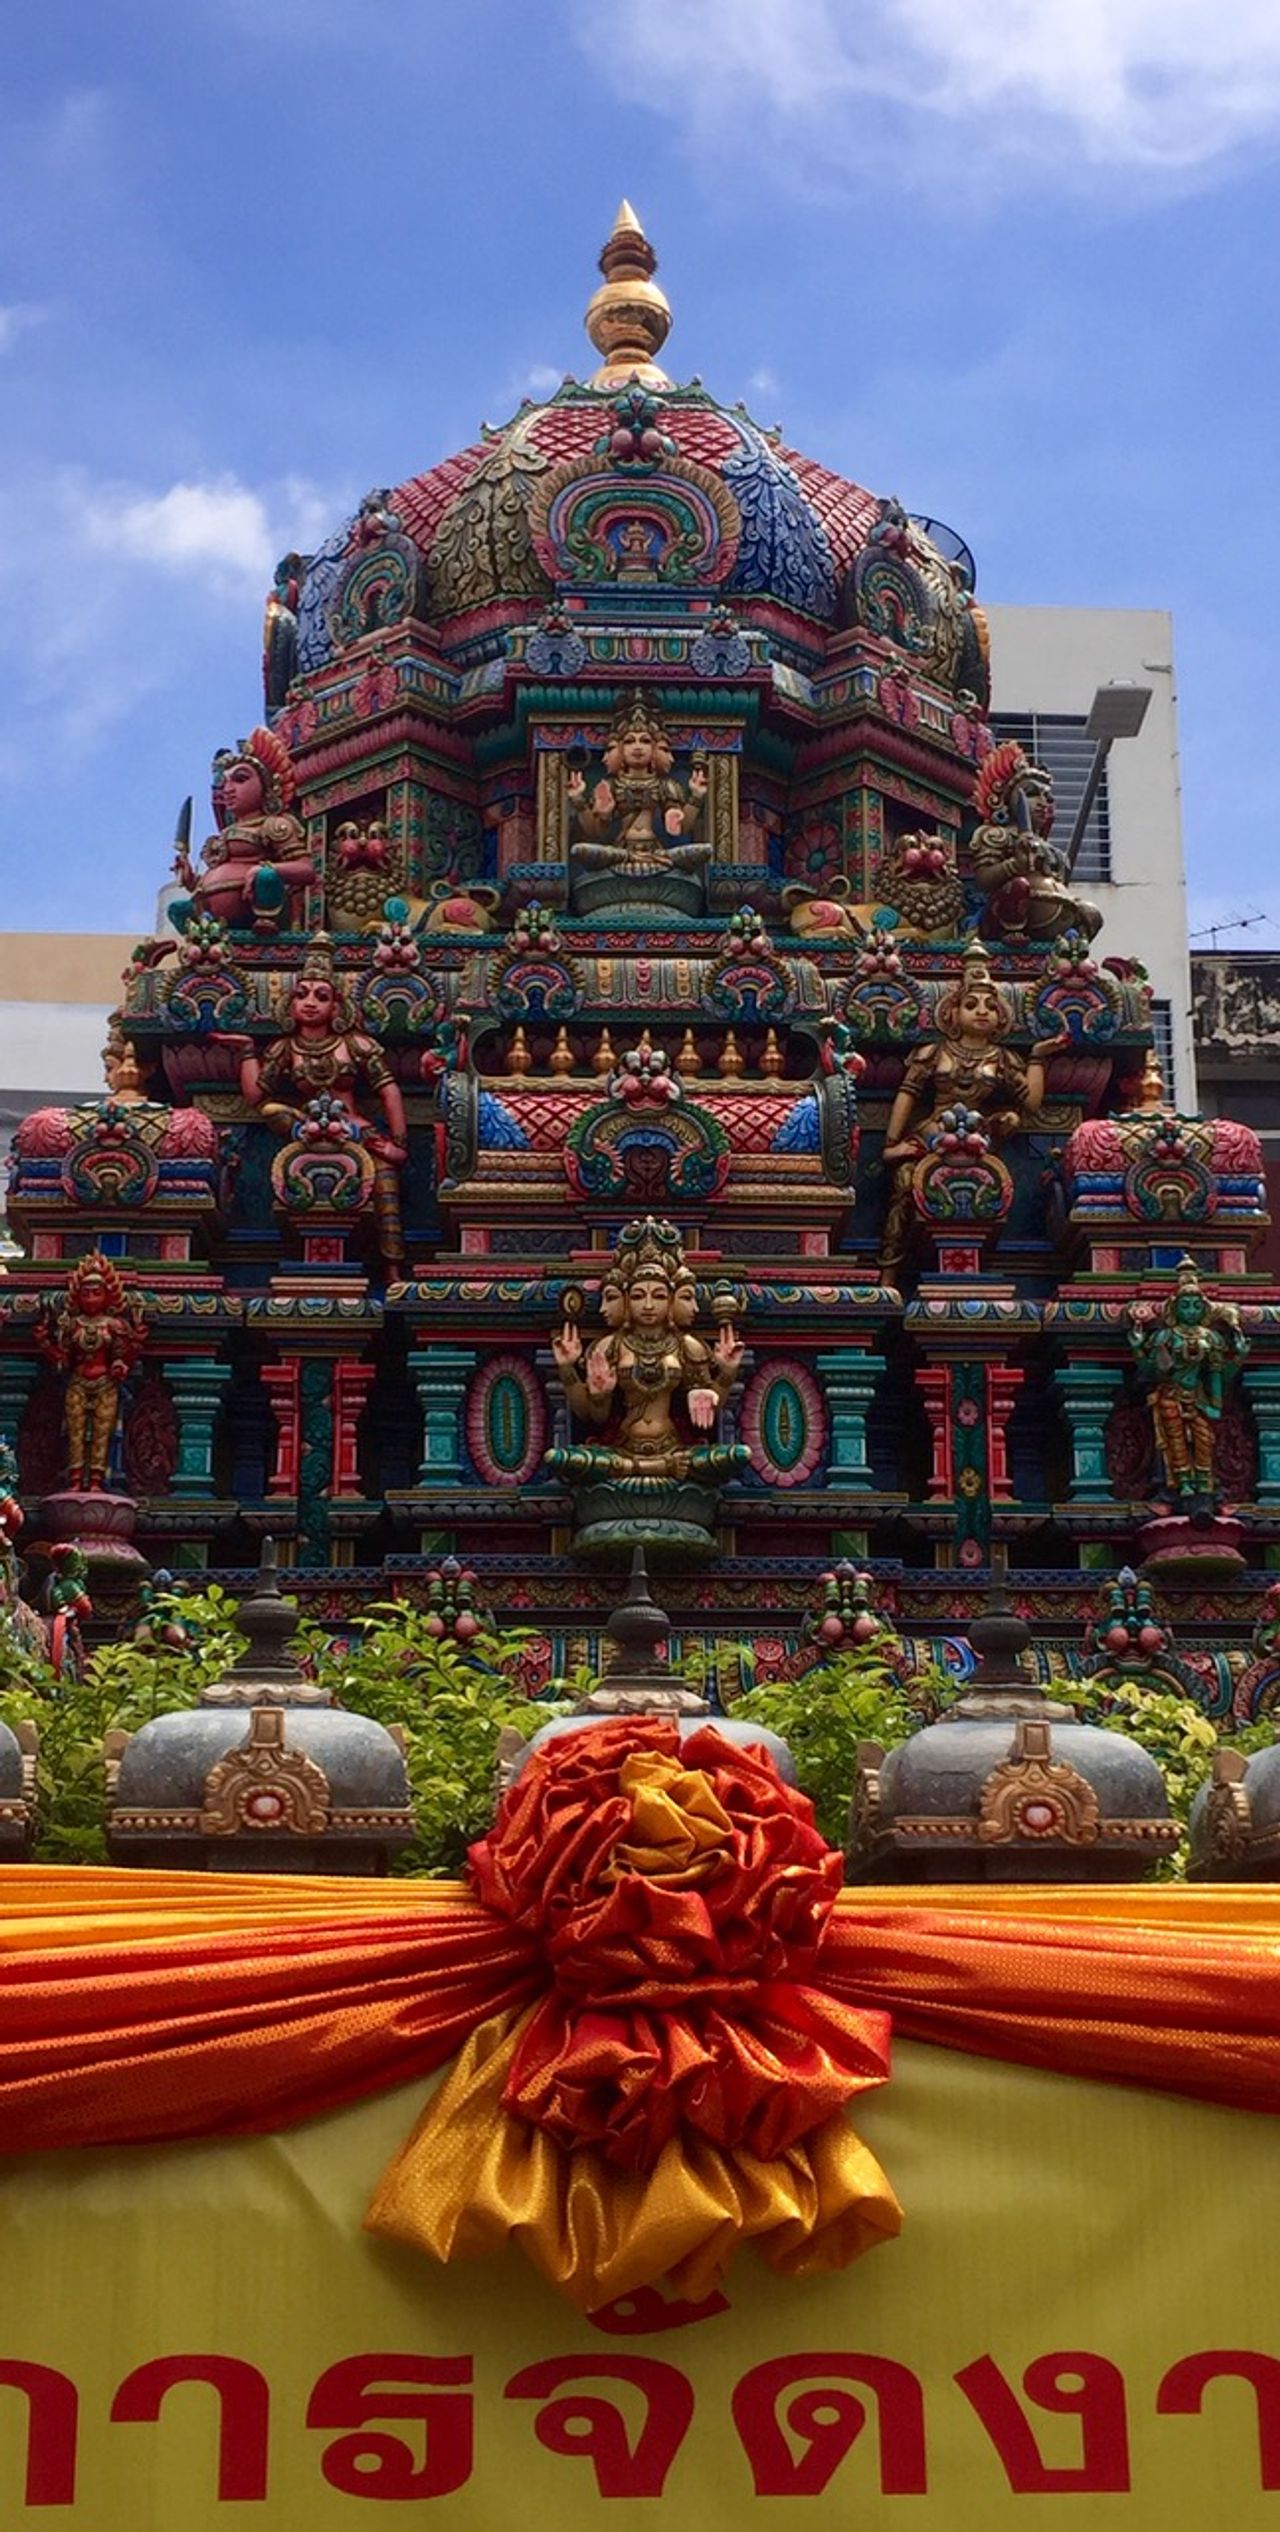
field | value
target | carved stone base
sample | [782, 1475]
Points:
[673, 1522]
[1179, 1547]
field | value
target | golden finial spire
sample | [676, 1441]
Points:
[629, 318]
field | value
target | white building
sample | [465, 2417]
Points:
[56, 990]
[1046, 666]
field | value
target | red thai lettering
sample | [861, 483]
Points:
[1071, 2384]
[827, 2421]
[646, 2310]
[361, 2388]
[53, 2407]
[597, 2428]
[244, 2404]
[1181, 2395]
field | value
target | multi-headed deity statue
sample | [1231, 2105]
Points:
[638, 825]
[1021, 873]
[322, 1054]
[649, 1386]
[257, 863]
[650, 1380]
[968, 1066]
[1188, 1351]
[94, 1339]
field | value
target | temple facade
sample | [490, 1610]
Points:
[630, 1065]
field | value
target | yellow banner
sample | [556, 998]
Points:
[1085, 2301]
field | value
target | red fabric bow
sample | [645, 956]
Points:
[679, 1895]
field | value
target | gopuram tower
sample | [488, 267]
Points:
[630, 1065]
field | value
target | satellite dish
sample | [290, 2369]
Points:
[951, 547]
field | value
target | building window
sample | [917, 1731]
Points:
[1162, 1039]
[1057, 741]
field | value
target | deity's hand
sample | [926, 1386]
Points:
[602, 800]
[1046, 1046]
[1003, 1121]
[729, 1350]
[698, 783]
[383, 1148]
[576, 787]
[909, 1151]
[602, 1379]
[567, 1348]
[673, 821]
[702, 1408]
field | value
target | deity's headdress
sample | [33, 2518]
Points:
[95, 1268]
[975, 970]
[318, 968]
[651, 1247]
[264, 749]
[636, 714]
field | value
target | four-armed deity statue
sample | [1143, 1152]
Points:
[94, 1339]
[310, 1080]
[653, 1391]
[633, 835]
[966, 1066]
[257, 864]
[1187, 1351]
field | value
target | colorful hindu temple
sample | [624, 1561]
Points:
[630, 1065]
[630, 1088]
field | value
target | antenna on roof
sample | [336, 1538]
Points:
[1213, 932]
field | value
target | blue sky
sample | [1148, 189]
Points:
[1015, 263]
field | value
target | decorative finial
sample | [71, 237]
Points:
[629, 318]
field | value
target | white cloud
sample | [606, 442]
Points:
[222, 532]
[1161, 85]
[17, 319]
[542, 379]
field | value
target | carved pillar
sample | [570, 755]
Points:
[441, 1373]
[197, 1384]
[1261, 1384]
[282, 1382]
[1003, 1383]
[1088, 1392]
[351, 1385]
[934, 1384]
[848, 1382]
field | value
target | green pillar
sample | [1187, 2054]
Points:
[197, 1384]
[441, 1373]
[1261, 1385]
[848, 1382]
[1088, 1392]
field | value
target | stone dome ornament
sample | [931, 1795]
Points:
[265, 1773]
[1008, 1786]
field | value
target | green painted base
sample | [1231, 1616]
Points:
[673, 1523]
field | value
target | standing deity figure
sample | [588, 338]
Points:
[258, 862]
[322, 1054]
[1187, 1350]
[639, 822]
[94, 1338]
[965, 1066]
[650, 1384]
[1021, 874]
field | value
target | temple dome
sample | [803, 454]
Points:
[477, 531]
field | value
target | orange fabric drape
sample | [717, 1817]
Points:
[136, 2006]
[142, 2006]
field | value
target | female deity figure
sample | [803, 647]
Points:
[1187, 1351]
[638, 823]
[94, 1338]
[966, 1066]
[649, 1383]
[322, 1054]
[258, 861]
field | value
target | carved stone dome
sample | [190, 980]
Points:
[484, 540]
[1008, 1786]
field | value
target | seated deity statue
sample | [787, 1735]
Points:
[257, 863]
[323, 1054]
[965, 1066]
[632, 838]
[649, 1386]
